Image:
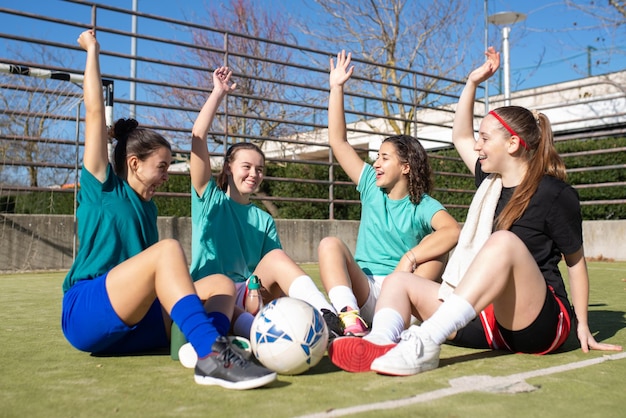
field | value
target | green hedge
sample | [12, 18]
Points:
[451, 190]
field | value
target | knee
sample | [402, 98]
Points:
[328, 244]
[169, 248]
[277, 256]
[215, 284]
[395, 280]
[224, 284]
[503, 240]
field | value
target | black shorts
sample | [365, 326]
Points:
[547, 332]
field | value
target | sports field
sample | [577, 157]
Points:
[41, 375]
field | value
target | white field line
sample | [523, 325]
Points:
[467, 384]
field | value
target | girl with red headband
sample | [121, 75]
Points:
[502, 288]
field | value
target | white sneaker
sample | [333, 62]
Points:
[188, 356]
[414, 354]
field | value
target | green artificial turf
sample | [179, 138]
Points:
[41, 375]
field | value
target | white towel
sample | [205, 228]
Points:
[475, 232]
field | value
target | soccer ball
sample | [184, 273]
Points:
[289, 336]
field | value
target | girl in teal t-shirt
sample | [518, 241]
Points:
[125, 285]
[232, 236]
[402, 228]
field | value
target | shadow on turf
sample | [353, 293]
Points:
[605, 324]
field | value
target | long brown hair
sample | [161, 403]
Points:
[222, 177]
[410, 151]
[535, 129]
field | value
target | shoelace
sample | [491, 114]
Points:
[231, 356]
[414, 340]
[349, 318]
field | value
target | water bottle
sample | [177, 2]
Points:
[254, 301]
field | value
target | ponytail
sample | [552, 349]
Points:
[540, 153]
[132, 140]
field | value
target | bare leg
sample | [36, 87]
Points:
[217, 291]
[277, 272]
[409, 295]
[338, 268]
[504, 273]
[159, 271]
[280, 275]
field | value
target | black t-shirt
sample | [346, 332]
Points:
[550, 226]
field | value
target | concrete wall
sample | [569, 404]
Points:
[45, 242]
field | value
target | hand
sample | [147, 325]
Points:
[221, 80]
[488, 69]
[88, 39]
[405, 264]
[341, 73]
[587, 342]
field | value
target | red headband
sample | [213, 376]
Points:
[508, 128]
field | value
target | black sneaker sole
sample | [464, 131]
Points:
[242, 385]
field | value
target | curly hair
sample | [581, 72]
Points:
[410, 151]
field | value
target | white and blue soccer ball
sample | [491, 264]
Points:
[289, 336]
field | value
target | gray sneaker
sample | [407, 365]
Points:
[415, 353]
[188, 357]
[227, 368]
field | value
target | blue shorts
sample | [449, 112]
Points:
[90, 324]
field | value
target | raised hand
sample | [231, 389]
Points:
[221, 80]
[489, 67]
[343, 71]
[87, 39]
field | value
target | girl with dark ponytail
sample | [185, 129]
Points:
[125, 286]
[505, 290]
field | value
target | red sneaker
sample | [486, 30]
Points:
[354, 354]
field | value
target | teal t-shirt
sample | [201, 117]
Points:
[114, 224]
[228, 237]
[389, 227]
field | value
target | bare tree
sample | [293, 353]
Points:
[249, 40]
[426, 38]
[609, 21]
[33, 127]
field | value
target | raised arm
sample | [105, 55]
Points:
[579, 288]
[463, 127]
[200, 162]
[95, 156]
[346, 156]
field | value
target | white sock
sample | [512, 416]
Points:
[386, 327]
[453, 314]
[242, 324]
[304, 289]
[342, 296]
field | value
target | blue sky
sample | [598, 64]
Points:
[555, 43]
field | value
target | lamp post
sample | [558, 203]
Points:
[505, 19]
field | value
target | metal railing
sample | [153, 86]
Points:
[281, 104]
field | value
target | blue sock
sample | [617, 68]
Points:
[220, 322]
[200, 329]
